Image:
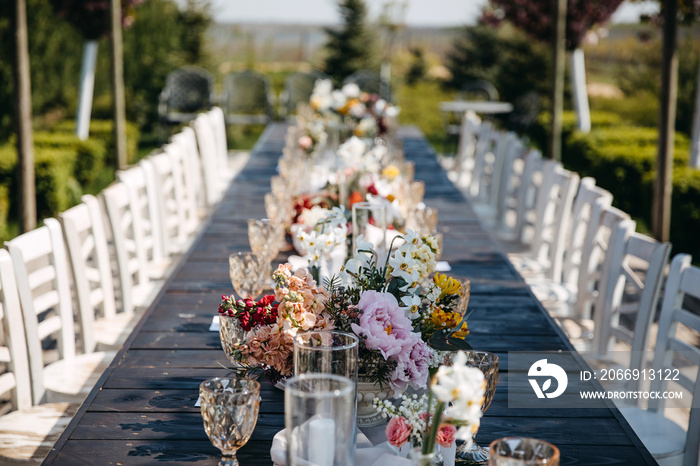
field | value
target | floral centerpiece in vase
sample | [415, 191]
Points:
[272, 323]
[450, 410]
[403, 320]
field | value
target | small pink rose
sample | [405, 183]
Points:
[305, 142]
[446, 435]
[397, 431]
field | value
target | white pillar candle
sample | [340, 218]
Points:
[321, 441]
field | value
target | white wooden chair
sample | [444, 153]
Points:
[515, 221]
[587, 209]
[631, 290]
[41, 269]
[218, 125]
[192, 174]
[136, 289]
[172, 214]
[544, 256]
[214, 184]
[481, 142]
[667, 441]
[186, 187]
[495, 168]
[576, 306]
[145, 200]
[463, 160]
[27, 431]
[103, 327]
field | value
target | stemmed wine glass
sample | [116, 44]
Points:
[229, 409]
[248, 272]
[488, 364]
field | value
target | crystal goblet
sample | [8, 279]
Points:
[515, 451]
[488, 364]
[248, 272]
[229, 409]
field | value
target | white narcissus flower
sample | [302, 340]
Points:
[462, 388]
[411, 306]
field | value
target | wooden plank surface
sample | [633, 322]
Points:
[143, 412]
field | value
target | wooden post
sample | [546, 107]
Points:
[23, 118]
[118, 85]
[557, 89]
[661, 213]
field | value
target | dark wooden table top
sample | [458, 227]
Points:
[142, 410]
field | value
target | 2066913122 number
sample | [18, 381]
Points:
[636, 374]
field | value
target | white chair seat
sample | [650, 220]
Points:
[528, 267]
[110, 333]
[72, 379]
[144, 294]
[28, 435]
[664, 439]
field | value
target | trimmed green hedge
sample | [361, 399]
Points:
[540, 129]
[56, 187]
[103, 130]
[685, 211]
[90, 154]
[623, 161]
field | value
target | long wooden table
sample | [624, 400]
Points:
[142, 410]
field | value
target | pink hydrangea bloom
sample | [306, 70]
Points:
[397, 431]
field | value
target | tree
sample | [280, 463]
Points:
[350, 47]
[537, 18]
[93, 21]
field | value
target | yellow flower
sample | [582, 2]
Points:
[391, 172]
[442, 319]
[447, 285]
[462, 332]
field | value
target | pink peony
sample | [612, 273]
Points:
[383, 323]
[446, 435]
[397, 431]
[413, 364]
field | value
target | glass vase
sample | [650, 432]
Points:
[418, 458]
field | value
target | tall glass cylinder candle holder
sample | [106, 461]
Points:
[326, 351]
[369, 221]
[319, 420]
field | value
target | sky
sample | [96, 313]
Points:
[419, 12]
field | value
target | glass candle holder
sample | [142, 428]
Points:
[326, 351]
[520, 451]
[320, 420]
[369, 220]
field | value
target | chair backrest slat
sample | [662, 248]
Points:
[48, 239]
[16, 381]
[683, 282]
[86, 241]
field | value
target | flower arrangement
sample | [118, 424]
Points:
[271, 326]
[329, 231]
[402, 325]
[366, 114]
[409, 420]
[450, 410]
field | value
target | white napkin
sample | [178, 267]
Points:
[365, 454]
[214, 326]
